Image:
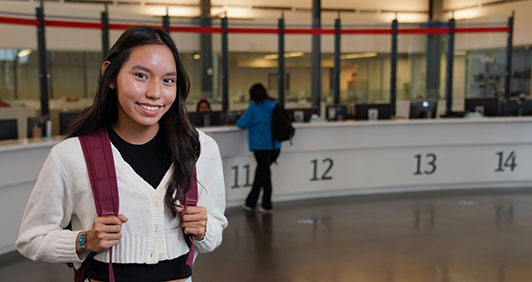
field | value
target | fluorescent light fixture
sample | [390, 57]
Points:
[183, 11]
[467, 14]
[403, 17]
[155, 10]
[286, 55]
[24, 53]
[235, 12]
[196, 56]
[174, 11]
[358, 55]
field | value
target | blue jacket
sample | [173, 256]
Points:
[258, 118]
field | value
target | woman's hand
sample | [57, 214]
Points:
[104, 234]
[193, 220]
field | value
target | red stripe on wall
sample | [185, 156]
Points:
[21, 21]
[73, 24]
[481, 29]
[312, 31]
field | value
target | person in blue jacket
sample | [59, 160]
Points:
[257, 119]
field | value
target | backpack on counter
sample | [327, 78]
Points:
[282, 129]
[98, 155]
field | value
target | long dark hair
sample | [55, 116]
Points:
[181, 138]
[258, 93]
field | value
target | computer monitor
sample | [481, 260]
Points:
[509, 108]
[302, 114]
[8, 129]
[423, 109]
[336, 112]
[66, 119]
[527, 108]
[206, 118]
[233, 116]
[486, 106]
[376, 111]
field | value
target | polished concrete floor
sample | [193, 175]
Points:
[458, 236]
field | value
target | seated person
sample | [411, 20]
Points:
[203, 105]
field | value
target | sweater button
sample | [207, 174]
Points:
[161, 255]
[149, 257]
[156, 203]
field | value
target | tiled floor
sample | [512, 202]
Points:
[461, 236]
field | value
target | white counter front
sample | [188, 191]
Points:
[328, 159]
[332, 159]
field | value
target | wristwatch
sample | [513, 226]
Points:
[82, 239]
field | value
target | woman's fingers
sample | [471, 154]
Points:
[193, 220]
[111, 220]
[105, 233]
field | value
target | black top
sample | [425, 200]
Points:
[130, 272]
[150, 161]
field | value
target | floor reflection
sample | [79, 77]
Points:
[466, 236]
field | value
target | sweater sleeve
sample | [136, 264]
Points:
[42, 235]
[245, 120]
[212, 196]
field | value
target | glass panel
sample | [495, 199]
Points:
[189, 46]
[298, 67]
[364, 68]
[521, 65]
[192, 62]
[253, 58]
[93, 61]
[28, 79]
[484, 62]
[421, 69]
[8, 58]
[67, 75]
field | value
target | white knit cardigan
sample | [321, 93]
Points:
[62, 194]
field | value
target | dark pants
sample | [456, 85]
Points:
[262, 178]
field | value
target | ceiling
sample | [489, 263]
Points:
[361, 10]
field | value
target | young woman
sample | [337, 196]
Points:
[257, 118]
[140, 101]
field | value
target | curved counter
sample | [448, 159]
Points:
[332, 159]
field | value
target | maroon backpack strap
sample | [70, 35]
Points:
[191, 199]
[102, 175]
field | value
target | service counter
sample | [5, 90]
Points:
[333, 159]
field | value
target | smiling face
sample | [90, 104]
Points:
[146, 87]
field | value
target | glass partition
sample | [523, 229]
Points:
[298, 67]
[365, 67]
[481, 60]
[8, 61]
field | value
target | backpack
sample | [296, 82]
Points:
[281, 126]
[98, 155]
